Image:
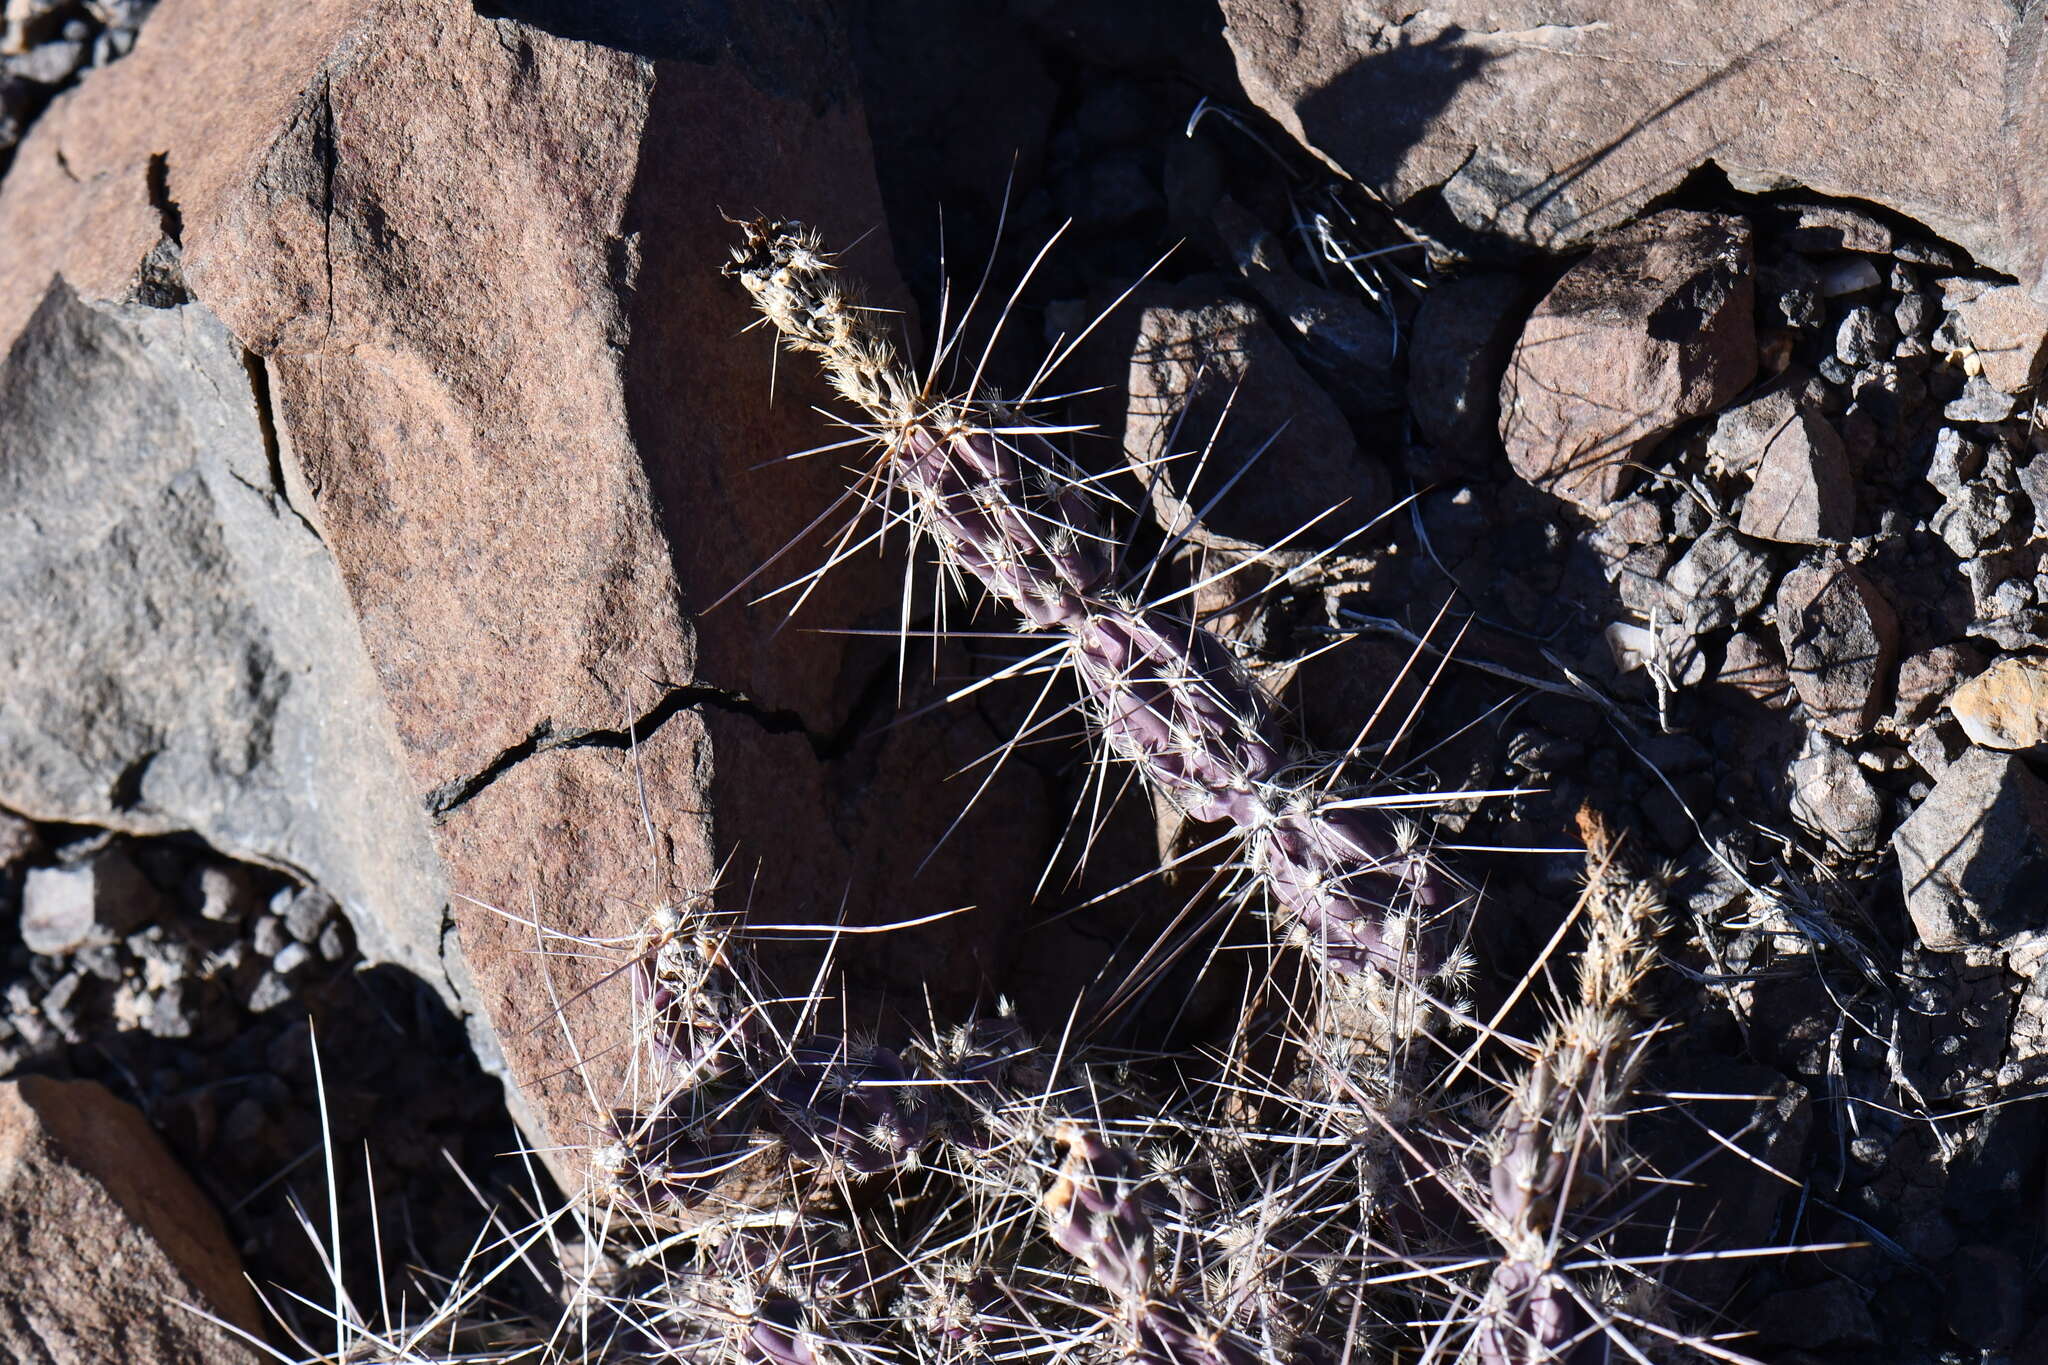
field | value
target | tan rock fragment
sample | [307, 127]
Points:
[2005, 706]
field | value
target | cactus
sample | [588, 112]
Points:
[1004, 508]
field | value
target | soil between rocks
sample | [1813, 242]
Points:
[1632, 652]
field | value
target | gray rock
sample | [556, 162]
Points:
[308, 913]
[2007, 332]
[180, 653]
[1840, 639]
[19, 841]
[1912, 315]
[1788, 293]
[1751, 665]
[225, 894]
[1639, 580]
[90, 904]
[1926, 679]
[1826, 229]
[1976, 521]
[1653, 327]
[291, 958]
[2033, 480]
[1804, 492]
[334, 942]
[1745, 431]
[170, 1015]
[269, 936]
[1833, 797]
[1198, 354]
[270, 991]
[1973, 859]
[167, 958]
[1980, 402]
[1635, 521]
[1720, 580]
[1551, 124]
[1865, 337]
[1847, 276]
[50, 63]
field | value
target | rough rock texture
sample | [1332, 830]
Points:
[1652, 327]
[1832, 797]
[2005, 706]
[522, 427]
[1974, 856]
[179, 653]
[90, 904]
[2007, 332]
[1193, 358]
[1840, 638]
[1464, 333]
[1804, 492]
[1550, 122]
[102, 1235]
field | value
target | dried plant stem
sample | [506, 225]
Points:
[1553, 1144]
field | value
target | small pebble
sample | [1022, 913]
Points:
[270, 991]
[334, 945]
[168, 1015]
[1865, 337]
[224, 894]
[290, 958]
[308, 912]
[268, 936]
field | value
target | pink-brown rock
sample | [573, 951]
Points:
[477, 266]
[1207, 374]
[1653, 327]
[2007, 330]
[1550, 121]
[1804, 492]
[103, 1237]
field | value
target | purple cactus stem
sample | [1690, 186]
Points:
[1096, 1216]
[1005, 507]
[1537, 1322]
[838, 1101]
[1045, 556]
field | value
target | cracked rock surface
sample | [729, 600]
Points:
[512, 432]
[1552, 122]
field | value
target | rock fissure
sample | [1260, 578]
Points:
[325, 148]
[547, 736]
[158, 179]
[273, 449]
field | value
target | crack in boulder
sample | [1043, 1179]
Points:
[547, 736]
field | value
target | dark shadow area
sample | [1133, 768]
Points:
[198, 995]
